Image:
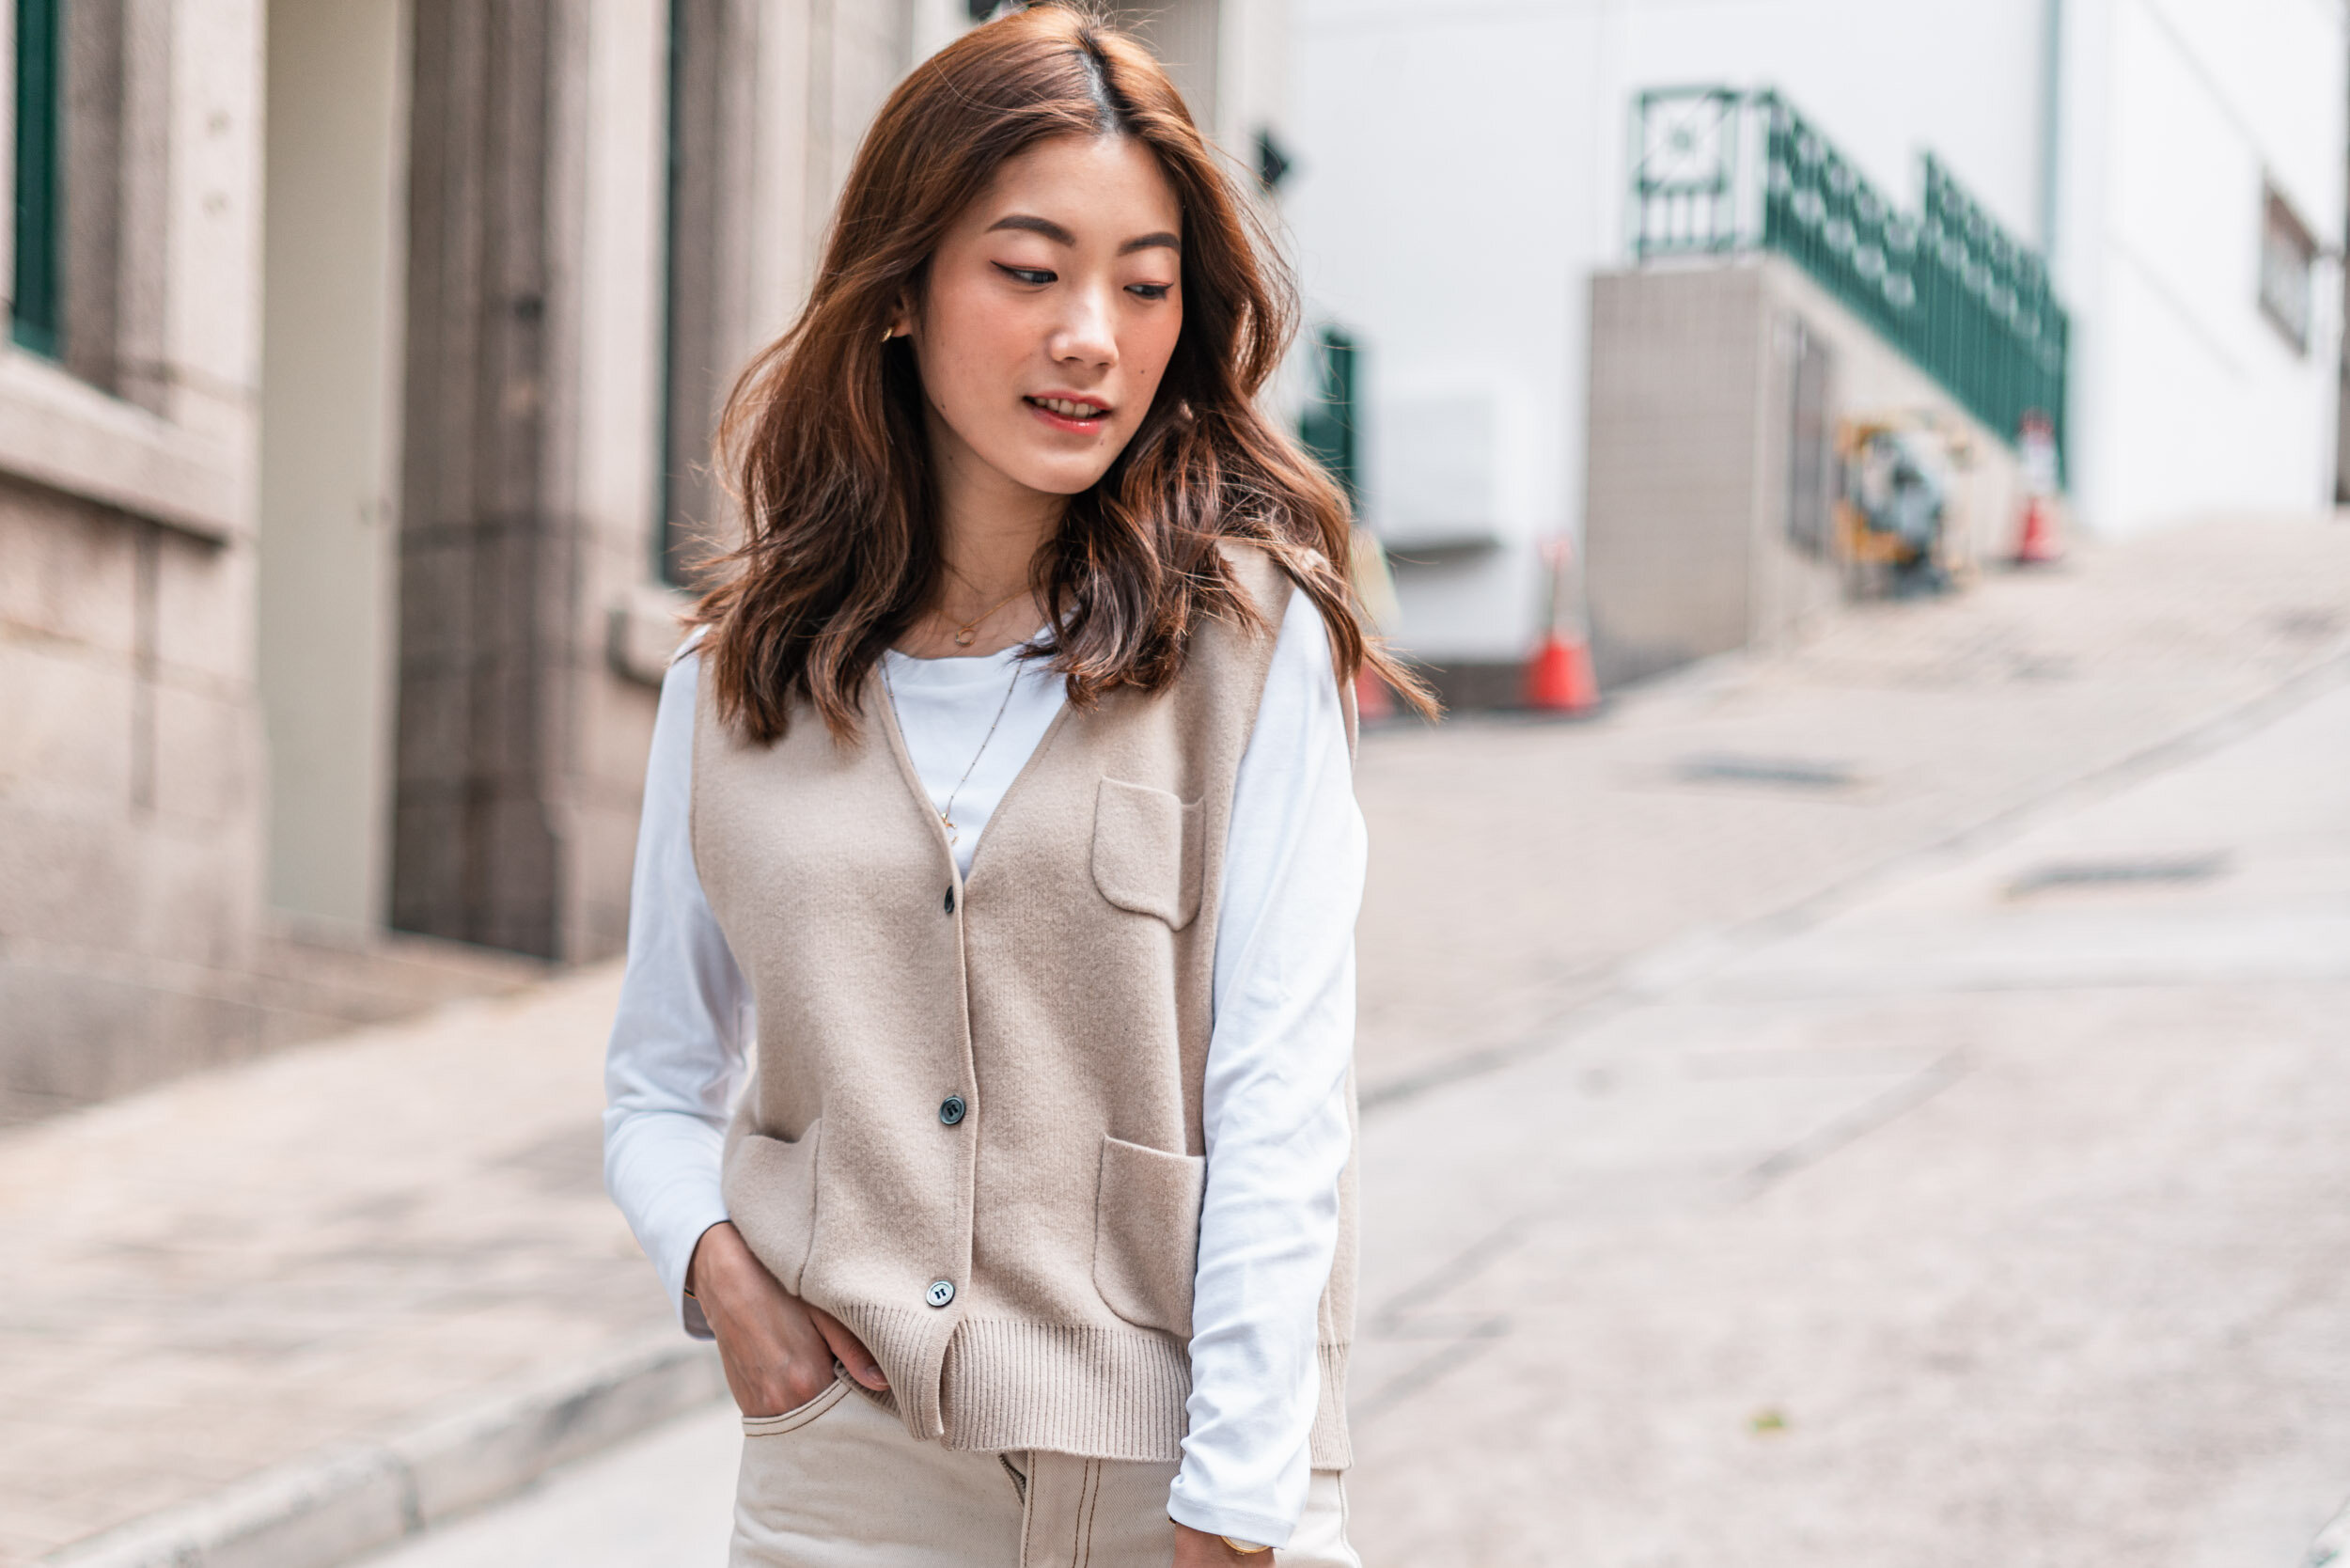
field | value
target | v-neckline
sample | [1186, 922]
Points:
[913, 777]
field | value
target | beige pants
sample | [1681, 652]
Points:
[840, 1484]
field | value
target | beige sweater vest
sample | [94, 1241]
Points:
[1021, 1265]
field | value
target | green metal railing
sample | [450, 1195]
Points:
[1718, 170]
[1686, 169]
[37, 303]
[1995, 334]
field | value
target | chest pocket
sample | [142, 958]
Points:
[1146, 853]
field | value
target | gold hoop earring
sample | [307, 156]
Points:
[888, 333]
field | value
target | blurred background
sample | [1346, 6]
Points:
[1853, 1047]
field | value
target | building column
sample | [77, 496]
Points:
[486, 602]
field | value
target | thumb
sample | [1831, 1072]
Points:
[849, 1350]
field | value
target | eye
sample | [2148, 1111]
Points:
[1032, 275]
[1150, 290]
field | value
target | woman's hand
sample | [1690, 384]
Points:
[777, 1350]
[1196, 1548]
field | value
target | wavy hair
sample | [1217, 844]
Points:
[822, 438]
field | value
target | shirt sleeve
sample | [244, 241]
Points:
[1275, 1101]
[675, 1053]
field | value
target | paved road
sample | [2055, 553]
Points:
[1990, 1207]
[2001, 1215]
[1516, 868]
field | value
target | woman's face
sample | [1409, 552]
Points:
[1052, 307]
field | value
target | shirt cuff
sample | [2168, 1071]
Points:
[672, 1271]
[662, 1169]
[1258, 1529]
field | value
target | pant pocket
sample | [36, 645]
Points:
[798, 1415]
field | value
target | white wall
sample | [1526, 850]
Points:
[1464, 169]
[1445, 207]
[2188, 401]
[1253, 72]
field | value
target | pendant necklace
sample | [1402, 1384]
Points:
[968, 632]
[947, 813]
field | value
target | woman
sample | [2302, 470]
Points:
[1006, 785]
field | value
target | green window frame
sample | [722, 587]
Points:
[1326, 427]
[37, 308]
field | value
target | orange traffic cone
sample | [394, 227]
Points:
[1559, 678]
[2035, 443]
[2037, 545]
[1367, 564]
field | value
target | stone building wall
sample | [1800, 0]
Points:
[130, 798]
[567, 351]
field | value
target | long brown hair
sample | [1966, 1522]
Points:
[823, 436]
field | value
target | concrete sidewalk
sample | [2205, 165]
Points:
[336, 1253]
[331, 1248]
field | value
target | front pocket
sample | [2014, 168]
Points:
[770, 1188]
[798, 1415]
[1146, 1233]
[1147, 851]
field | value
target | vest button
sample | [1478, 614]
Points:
[953, 1110]
[940, 1292]
[950, 901]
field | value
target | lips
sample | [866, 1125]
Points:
[1069, 413]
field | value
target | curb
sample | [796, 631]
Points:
[327, 1508]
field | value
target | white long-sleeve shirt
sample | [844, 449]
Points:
[1275, 1100]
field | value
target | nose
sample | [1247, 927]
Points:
[1088, 333]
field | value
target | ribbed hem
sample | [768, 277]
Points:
[1330, 1447]
[1101, 1393]
[906, 1346]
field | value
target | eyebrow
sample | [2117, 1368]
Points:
[1055, 232]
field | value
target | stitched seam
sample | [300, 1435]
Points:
[791, 1421]
[1028, 1513]
[1090, 1496]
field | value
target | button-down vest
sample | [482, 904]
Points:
[973, 1135]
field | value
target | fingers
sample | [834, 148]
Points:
[848, 1349]
[805, 1368]
[777, 1350]
[772, 1385]
[774, 1357]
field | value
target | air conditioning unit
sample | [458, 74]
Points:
[1435, 460]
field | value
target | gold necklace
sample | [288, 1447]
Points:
[947, 813]
[968, 632]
